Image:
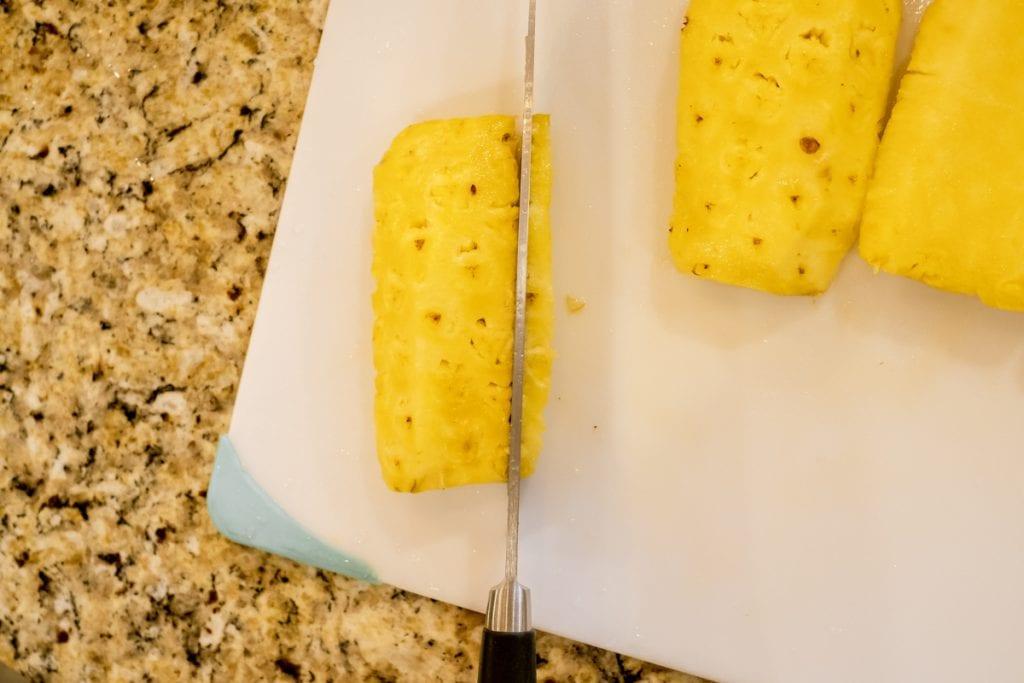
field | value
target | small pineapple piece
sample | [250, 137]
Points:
[945, 205]
[574, 303]
[446, 205]
[778, 121]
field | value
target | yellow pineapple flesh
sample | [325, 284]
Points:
[779, 109]
[444, 253]
[946, 205]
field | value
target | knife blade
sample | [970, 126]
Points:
[508, 651]
[8, 675]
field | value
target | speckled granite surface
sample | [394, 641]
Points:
[144, 147]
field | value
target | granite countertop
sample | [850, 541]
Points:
[144, 147]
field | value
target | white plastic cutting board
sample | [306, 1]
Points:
[741, 486]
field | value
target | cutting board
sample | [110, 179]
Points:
[742, 486]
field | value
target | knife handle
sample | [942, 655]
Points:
[508, 657]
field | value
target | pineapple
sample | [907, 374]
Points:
[945, 205]
[779, 110]
[446, 206]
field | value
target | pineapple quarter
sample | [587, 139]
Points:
[446, 198]
[779, 111]
[946, 205]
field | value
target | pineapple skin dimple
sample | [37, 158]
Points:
[446, 212]
[945, 205]
[779, 112]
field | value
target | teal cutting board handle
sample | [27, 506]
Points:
[245, 513]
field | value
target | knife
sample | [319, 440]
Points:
[508, 650]
[11, 676]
